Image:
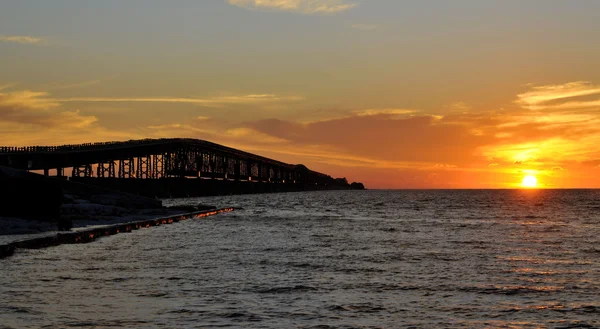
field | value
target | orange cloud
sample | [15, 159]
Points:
[383, 111]
[35, 118]
[37, 108]
[383, 137]
[541, 97]
[210, 101]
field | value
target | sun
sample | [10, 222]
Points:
[529, 181]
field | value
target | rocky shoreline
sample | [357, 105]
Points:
[41, 211]
[90, 235]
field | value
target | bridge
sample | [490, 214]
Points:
[119, 164]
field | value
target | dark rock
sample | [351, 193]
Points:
[184, 208]
[30, 198]
[6, 250]
[124, 200]
[357, 186]
[65, 224]
[205, 207]
[199, 207]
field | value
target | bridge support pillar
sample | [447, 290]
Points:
[158, 164]
[237, 169]
[126, 168]
[249, 170]
[106, 169]
[82, 171]
[144, 167]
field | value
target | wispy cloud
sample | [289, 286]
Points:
[27, 99]
[540, 97]
[243, 99]
[569, 105]
[38, 108]
[34, 118]
[459, 106]
[167, 126]
[364, 27]
[302, 6]
[370, 112]
[22, 39]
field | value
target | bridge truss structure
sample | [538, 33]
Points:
[156, 159]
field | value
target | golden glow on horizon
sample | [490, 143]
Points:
[529, 182]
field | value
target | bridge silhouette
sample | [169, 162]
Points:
[118, 164]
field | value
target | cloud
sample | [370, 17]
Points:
[16, 100]
[364, 27]
[35, 118]
[418, 138]
[167, 126]
[557, 124]
[223, 100]
[459, 106]
[570, 106]
[26, 40]
[302, 6]
[39, 109]
[391, 112]
[541, 97]
[246, 133]
[12, 134]
[444, 166]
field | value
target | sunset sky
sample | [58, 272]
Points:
[393, 93]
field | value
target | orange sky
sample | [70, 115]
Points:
[464, 94]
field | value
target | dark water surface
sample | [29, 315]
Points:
[348, 259]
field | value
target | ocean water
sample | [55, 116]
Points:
[338, 259]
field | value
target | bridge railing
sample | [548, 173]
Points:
[75, 147]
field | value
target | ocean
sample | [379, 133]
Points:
[329, 259]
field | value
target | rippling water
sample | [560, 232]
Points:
[340, 259]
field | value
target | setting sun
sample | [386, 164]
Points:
[529, 181]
